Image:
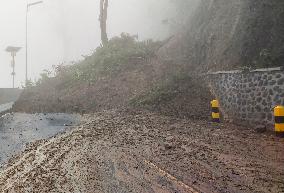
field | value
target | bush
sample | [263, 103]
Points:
[106, 60]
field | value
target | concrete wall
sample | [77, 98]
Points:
[8, 95]
[248, 96]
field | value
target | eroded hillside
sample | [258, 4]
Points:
[167, 76]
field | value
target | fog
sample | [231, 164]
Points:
[64, 30]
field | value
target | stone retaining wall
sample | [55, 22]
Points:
[248, 96]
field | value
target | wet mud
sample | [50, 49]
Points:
[144, 152]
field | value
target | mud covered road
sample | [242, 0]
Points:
[143, 152]
[5, 107]
[17, 129]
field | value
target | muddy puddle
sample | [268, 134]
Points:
[18, 129]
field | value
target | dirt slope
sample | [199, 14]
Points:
[143, 152]
[154, 85]
[221, 35]
[107, 92]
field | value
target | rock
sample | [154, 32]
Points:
[260, 129]
[168, 147]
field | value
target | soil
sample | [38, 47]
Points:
[182, 95]
[126, 151]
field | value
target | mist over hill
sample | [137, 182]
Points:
[148, 122]
[164, 75]
[231, 34]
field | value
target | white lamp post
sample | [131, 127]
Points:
[27, 11]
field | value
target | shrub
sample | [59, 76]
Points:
[105, 61]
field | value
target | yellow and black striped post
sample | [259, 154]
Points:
[279, 120]
[215, 111]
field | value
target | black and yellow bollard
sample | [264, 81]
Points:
[279, 120]
[215, 111]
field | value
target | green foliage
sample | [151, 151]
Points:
[106, 60]
[119, 51]
[44, 77]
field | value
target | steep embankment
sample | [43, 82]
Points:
[222, 34]
[106, 92]
[126, 73]
[229, 34]
[145, 85]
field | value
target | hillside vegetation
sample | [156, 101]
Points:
[124, 74]
[108, 60]
[166, 76]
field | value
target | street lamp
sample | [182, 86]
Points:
[27, 11]
[13, 50]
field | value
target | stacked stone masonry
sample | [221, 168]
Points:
[248, 96]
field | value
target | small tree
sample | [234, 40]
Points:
[103, 21]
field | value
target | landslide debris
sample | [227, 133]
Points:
[125, 73]
[119, 151]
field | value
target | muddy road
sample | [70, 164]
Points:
[143, 152]
[5, 107]
[18, 129]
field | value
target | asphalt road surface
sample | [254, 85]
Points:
[5, 107]
[18, 129]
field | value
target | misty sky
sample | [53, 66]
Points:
[63, 30]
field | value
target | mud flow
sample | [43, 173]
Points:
[143, 152]
[16, 130]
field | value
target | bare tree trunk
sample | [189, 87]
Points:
[103, 21]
